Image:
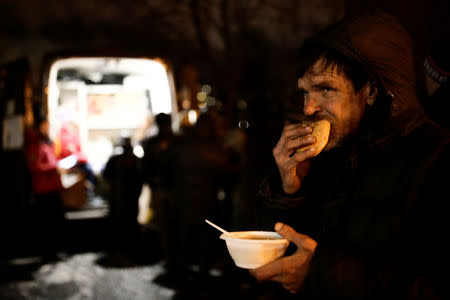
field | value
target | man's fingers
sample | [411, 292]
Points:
[296, 129]
[304, 155]
[293, 137]
[300, 240]
[288, 233]
[270, 271]
[300, 142]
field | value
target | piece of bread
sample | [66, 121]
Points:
[321, 130]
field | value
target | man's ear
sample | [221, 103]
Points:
[370, 92]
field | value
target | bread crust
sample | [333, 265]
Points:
[321, 130]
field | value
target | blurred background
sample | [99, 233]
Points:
[154, 108]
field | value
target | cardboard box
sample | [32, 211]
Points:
[74, 194]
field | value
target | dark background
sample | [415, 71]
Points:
[245, 49]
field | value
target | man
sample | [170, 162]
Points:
[197, 168]
[123, 174]
[154, 163]
[367, 213]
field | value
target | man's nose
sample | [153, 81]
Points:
[311, 105]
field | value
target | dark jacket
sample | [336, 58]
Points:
[196, 171]
[123, 174]
[376, 205]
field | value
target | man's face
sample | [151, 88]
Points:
[330, 95]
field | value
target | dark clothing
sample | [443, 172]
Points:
[437, 106]
[123, 174]
[50, 222]
[380, 227]
[376, 204]
[154, 163]
[154, 149]
[197, 170]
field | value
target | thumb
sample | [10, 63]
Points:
[302, 241]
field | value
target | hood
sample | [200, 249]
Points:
[380, 42]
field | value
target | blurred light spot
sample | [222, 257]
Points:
[211, 101]
[221, 194]
[166, 293]
[138, 151]
[194, 268]
[28, 92]
[46, 90]
[25, 260]
[206, 89]
[186, 104]
[202, 105]
[243, 124]
[95, 76]
[192, 116]
[215, 272]
[201, 96]
[242, 105]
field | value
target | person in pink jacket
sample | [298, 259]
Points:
[46, 186]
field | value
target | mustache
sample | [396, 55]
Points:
[293, 118]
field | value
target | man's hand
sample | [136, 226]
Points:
[293, 166]
[290, 271]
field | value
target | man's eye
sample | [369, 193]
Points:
[326, 90]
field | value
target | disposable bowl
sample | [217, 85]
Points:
[252, 249]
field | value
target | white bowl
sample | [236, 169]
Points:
[252, 249]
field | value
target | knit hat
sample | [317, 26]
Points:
[437, 62]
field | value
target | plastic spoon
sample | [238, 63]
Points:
[217, 227]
